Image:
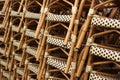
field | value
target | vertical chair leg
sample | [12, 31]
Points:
[86, 49]
[43, 65]
[21, 4]
[21, 22]
[74, 65]
[41, 46]
[71, 23]
[5, 21]
[5, 6]
[25, 72]
[8, 34]
[86, 75]
[21, 40]
[42, 19]
[23, 57]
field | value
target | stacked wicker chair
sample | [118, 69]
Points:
[102, 27]
[59, 40]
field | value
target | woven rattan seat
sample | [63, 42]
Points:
[15, 42]
[30, 33]
[97, 76]
[57, 63]
[106, 22]
[33, 67]
[31, 50]
[20, 71]
[18, 57]
[105, 53]
[58, 42]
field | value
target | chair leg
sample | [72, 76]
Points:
[5, 6]
[21, 4]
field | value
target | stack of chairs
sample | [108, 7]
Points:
[59, 40]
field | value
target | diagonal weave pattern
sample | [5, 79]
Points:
[105, 53]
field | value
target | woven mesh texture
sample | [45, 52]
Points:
[59, 64]
[57, 42]
[95, 76]
[105, 53]
[106, 22]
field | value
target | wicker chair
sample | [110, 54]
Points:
[31, 68]
[86, 26]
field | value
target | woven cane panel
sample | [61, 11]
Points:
[20, 71]
[105, 53]
[59, 64]
[95, 76]
[18, 57]
[57, 42]
[106, 22]
[32, 67]
[6, 74]
[58, 18]
[31, 50]
[15, 43]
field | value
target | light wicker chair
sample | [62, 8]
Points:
[86, 26]
[31, 68]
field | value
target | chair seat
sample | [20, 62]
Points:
[98, 76]
[58, 42]
[31, 50]
[57, 63]
[50, 16]
[105, 53]
[3, 62]
[106, 22]
[15, 43]
[18, 57]
[20, 70]
[33, 67]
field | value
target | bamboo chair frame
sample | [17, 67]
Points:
[7, 15]
[73, 36]
[26, 31]
[91, 13]
[50, 74]
[96, 35]
[5, 62]
[45, 9]
[82, 34]
[6, 5]
[47, 57]
[86, 73]
[27, 4]
[18, 72]
[29, 67]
